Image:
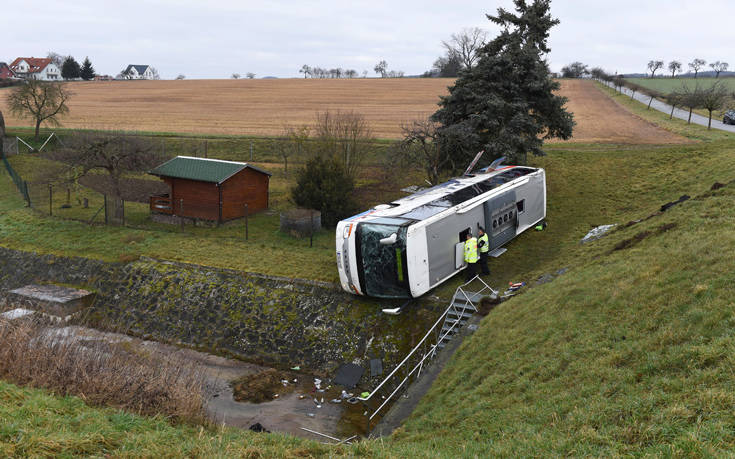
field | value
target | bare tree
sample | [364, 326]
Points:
[113, 153]
[350, 73]
[421, 145]
[39, 101]
[674, 99]
[574, 70]
[674, 68]
[306, 70]
[2, 135]
[465, 45]
[295, 143]
[154, 74]
[697, 64]
[690, 98]
[344, 136]
[56, 58]
[250, 75]
[381, 68]
[235, 76]
[719, 67]
[654, 65]
[714, 98]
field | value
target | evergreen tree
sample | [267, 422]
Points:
[505, 105]
[70, 69]
[87, 72]
[324, 185]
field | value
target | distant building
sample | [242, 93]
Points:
[5, 72]
[39, 68]
[138, 72]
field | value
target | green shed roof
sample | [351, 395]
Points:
[205, 170]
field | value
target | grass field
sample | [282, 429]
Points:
[667, 85]
[263, 107]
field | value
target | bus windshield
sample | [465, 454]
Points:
[382, 267]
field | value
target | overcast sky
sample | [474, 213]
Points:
[217, 38]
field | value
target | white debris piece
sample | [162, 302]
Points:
[16, 313]
[597, 233]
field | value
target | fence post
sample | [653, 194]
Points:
[246, 222]
[50, 199]
[27, 193]
[206, 146]
[311, 228]
[251, 150]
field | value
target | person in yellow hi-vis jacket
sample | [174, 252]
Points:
[483, 243]
[470, 256]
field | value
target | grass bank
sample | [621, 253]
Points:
[629, 352]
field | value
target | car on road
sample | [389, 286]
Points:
[729, 117]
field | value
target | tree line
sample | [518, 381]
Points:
[70, 68]
[712, 97]
[580, 70]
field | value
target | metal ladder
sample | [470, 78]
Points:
[459, 311]
[462, 307]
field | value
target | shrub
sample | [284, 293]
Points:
[324, 185]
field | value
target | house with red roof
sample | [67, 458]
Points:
[39, 68]
[5, 72]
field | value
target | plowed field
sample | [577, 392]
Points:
[263, 107]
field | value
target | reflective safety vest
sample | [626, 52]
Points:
[486, 246]
[470, 250]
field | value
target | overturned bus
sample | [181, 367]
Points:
[405, 248]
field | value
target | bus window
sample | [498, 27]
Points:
[520, 205]
[463, 234]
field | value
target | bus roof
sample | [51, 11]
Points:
[431, 201]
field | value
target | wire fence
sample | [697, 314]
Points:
[17, 179]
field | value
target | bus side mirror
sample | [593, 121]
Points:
[389, 240]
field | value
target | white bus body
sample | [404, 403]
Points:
[405, 248]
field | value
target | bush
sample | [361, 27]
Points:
[324, 185]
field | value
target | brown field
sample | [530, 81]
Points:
[263, 107]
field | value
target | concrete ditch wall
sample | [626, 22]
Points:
[273, 321]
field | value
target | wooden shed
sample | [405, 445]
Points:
[210, 189]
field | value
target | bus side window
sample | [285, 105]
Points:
[463, 234]
[520, 205]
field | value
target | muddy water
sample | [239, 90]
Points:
[287, 413]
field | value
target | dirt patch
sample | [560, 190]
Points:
[264, 386]
[262, 107]
[134, 190]
[630, 242]
[600, 119]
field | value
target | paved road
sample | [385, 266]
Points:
[679, 113]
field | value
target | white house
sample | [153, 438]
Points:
[39, 68]
[139, 72]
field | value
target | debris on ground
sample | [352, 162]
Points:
[597, 233]
[258, 427]
[348, 375]
[261, 387]
[376, 368]
[668, 205]
[630, 242]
